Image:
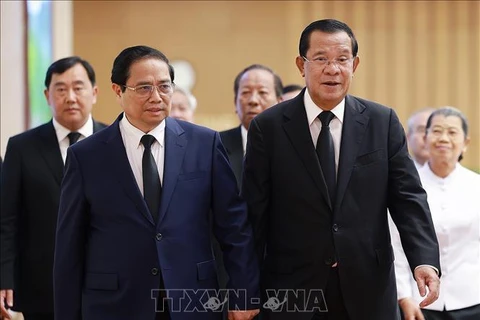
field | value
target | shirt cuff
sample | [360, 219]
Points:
[427, 265]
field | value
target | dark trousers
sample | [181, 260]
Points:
[38, 316]
[333, 299]
[470, 313]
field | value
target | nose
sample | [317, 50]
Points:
[155, 96]
[331, 68]
[254, 99]
[71, 95]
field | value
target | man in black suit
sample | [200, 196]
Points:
[30, 193]
[320, 172]
[256, 88]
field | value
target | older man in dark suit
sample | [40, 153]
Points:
[256, 88]
[320, 172]
[30, 194]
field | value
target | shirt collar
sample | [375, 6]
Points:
[313, 110]
[136, 134]
[432, 176]
[244, 138]
[62, 132]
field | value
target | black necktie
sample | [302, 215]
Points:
[326, 153]
[152, 188]
[73, 137]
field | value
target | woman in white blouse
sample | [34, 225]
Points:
[454, 200]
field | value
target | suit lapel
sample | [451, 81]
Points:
[122, 169]
[175, 147]
[50, 151]
[297, 129]
[235, 152]
[354, 125]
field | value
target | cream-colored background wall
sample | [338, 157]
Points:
[413, 54]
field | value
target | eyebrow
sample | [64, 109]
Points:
[142, 83]
[61, 83]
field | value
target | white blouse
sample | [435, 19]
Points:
[455, 206]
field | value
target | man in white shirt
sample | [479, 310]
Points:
[31, 177]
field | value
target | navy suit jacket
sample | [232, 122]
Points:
[109, 252]
[299, 233]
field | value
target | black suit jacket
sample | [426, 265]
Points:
[31, 176]
[232, 140]
[299, 234]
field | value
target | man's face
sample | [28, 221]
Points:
[181, 107]
[416, 137]
[328, 84]
[71, 97]
[256, 92]
[145, 112]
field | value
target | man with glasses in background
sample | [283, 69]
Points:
[133, 238]
[184, 105]
[416, 132]
[320, 172]
[30, 193]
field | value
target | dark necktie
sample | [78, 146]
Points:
[152, 188]
[73, 137]
[326, 153]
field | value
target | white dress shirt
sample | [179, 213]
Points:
[131, 137]
[316, 125]
[455, 206]
[244, 138]
[62, 134]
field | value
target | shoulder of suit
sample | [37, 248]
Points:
[99, 125]
[33, 133]
[367, 104]
[230, 132]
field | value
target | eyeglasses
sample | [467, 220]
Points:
[145, 90]
[322, 61]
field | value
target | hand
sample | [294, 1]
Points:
[427, 276]
[6, 299]
[242, 314]
[411, 311]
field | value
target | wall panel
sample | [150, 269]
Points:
[413, 54]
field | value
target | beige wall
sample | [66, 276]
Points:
[413, 53]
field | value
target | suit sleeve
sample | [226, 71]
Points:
[256, 186]
[70, 242]
[11, 200]
[407, 202]
[233, 231]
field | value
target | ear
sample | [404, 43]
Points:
[117, 89]
[95, 92]
[356, 62]
[46, 92]
[300, 65]
[465, 144]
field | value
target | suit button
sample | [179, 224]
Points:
[335, 227]
[158, 236]
[328, 261]
[154, 271]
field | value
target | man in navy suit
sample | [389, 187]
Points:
[133, 225]
[30, 194]
[320, 172]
